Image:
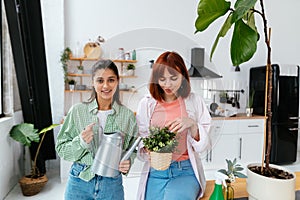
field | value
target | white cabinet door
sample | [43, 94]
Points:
[251, 134]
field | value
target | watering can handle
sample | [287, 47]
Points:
[130, 151]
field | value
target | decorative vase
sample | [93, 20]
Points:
[32, 186]
[160, 161]
[261, 187]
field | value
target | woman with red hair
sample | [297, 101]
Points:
[173, 105]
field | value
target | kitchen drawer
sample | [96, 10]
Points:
[224, 126]
[251, 126]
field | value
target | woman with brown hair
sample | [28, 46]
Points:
[173, 105]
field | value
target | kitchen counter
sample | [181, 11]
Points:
[239, 186]
[239, 116]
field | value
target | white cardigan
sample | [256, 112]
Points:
[197, 110]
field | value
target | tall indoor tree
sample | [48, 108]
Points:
[243, 45]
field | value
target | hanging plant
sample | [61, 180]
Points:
[64, 58]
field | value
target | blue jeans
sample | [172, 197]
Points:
[176, 182]
[104, 188]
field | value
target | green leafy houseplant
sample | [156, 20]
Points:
[80, 67]
[251, 98]
[160, 140]
[243, 42]
[64, 58]
[233, 170]
[25, 133]
[130, 67]
[71, 81]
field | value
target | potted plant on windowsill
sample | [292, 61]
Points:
[243, 46]
[25, 133]
[161, 143]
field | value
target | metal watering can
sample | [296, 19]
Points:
[109, 154]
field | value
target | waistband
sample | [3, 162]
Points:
[182, 163]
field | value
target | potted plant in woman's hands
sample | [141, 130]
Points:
[25, 133]
[161, 143]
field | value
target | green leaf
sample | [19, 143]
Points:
[44, 130]
[241, 8]
[226, 26]
[223, 171]
[24, 133]
[243, 43]
[209, 11]
[240, 175]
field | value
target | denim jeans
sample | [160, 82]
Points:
[104, 188]
[176, 182]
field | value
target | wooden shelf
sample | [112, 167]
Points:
[79, 75]
[125, 61]
[83, 58]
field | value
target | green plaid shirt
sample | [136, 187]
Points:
[69, 146]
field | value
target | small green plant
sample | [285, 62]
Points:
[251, 98]
[64, 58]
[130, 67]
[71, 82]
[160, 140]
[80, 67]
[25, 133]
[233, 170]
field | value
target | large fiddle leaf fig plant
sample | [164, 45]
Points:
[244, 40]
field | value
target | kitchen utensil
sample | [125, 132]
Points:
[214, 106]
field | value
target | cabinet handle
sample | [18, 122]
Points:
[294, 117]
[253, 126]
[207, 152]
[240, 156]
[293, 129]
[210, 155]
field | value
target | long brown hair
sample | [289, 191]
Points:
[173, 62]
[105, 64]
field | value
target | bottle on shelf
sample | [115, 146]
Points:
[133, 56]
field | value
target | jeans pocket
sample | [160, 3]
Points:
[76, 169]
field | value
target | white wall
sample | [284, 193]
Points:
[76, 21]
[11, 155]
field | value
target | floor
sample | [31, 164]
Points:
[54, 189]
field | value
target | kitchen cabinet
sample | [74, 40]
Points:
[241, 139]
[83, 80]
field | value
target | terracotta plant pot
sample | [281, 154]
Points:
[262, 188]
